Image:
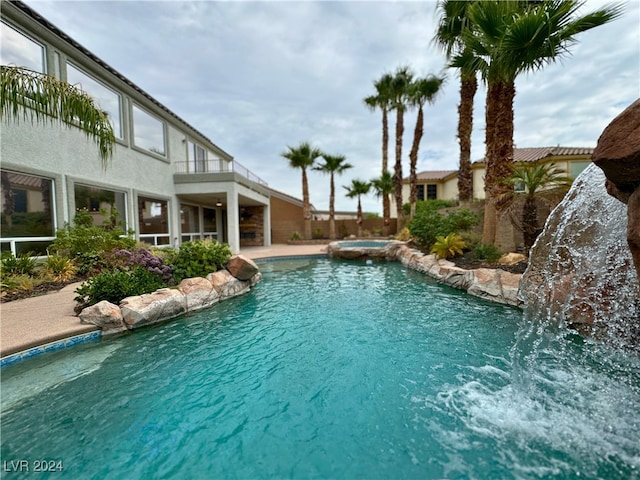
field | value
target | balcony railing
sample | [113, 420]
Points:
[217, 166]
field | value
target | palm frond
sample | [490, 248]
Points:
[39, 98]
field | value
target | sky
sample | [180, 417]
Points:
[256, 77]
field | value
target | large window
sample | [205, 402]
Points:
[427, 192]
[148, 131]
[107, 99]
[19, 50]
[27, 212]
[103, 205]
[153, 221]
[189, 222]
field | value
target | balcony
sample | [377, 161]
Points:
[217, 166]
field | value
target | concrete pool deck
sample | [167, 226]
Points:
[41, 320]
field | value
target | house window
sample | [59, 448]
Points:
[103, 205]
[106, 99]
[209, 224]
[432, 191]
[20, 50]
[153, 221]
[576, 168]
[420, 191]
[197, 158]
[189, 222]
[27, 212]
[519, 187]
[148, 132]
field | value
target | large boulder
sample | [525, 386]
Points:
[618, 155]
[241, 267]
[618, 150]
[104, 315]
[226, 284]
[198, 293]
[152, 307]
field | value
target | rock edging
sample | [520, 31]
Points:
[495, 285]
[239, 275]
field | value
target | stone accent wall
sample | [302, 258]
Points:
[251, 226]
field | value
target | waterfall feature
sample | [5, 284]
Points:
[581, 271]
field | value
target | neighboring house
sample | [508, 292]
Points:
[443, 184]
[168, 182]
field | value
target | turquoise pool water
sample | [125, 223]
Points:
[330, 369]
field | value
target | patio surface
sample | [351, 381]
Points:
[36, 321]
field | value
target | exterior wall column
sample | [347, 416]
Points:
[233, 221]
[267, 225]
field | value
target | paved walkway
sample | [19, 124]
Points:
[47, 318]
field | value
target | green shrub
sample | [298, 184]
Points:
[23, 264]
[198, 259]
[295, 236]
[115, 285]
[428, 223]
[318, 233]
[487, 253]
[86, 243]
[403, 235]
[449, 246]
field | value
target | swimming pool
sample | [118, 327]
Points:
[331, 369]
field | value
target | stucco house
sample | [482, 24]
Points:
[443, 184]
[167, 180]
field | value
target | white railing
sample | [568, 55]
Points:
[217, 166]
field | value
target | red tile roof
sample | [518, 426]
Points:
[433, 175]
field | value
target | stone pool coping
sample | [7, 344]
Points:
[37, 325]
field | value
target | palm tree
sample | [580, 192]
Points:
[422, 90]
[382, 100]
[399, 97]
[453, 21]
[303, 156]
[357, 189]
[333, 164]
[384, 186]
[509, 38]
[533, 178]
[38, 98]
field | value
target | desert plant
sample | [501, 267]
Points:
[486, 253]
[317, 233]
[295, 236]
[23, 264]
[198, 259]
[115, 285]
[403, 235]
[449, 246]
[59, 268]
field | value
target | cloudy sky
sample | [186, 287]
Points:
[258, 76]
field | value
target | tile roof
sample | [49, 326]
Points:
[433, 175]
[538, 153]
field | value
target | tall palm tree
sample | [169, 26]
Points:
[400, 85]
[453, 21]
[533, 178]
[509, 38]
[303, 157]
[356, 190]
[333, 164]
[382, 100]
[421, 91]
[41, 98]
[384, 187]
